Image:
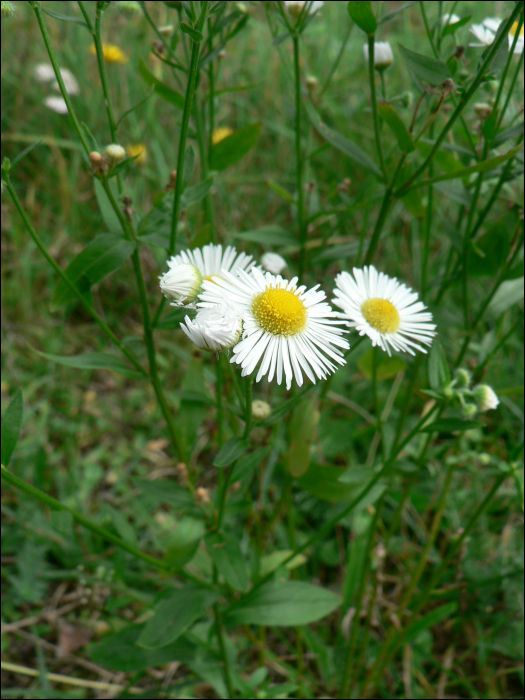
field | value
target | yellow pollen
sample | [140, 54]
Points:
[279, 312]
[382, 315]
[514, 29]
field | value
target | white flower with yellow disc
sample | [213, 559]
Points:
[288, 329]
[385, 310]
[211, 260]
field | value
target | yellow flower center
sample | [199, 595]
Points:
[210, 278]
[279, 312]
[382, 315]
[514, 29]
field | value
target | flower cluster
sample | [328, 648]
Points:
[473, 400]
[280, 326]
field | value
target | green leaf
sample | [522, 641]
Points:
[163, 491]
[196, 193]
[64, 18]
[290, 604]
[231, 450]
[508, 294]
[513, 132]
[181, 543]
[362, 14]
[245, 466]
[11, 424]
[162, 90]
[414, 204]
[386, 369]
[451, 425]
[231, 563]
[337, 252]
[396, 12]
[303, 431]
[396, 124]
[194, 34]
[108, 213]
[445, 612]
[120, 652]
[267, 236]
[452, 28]
[173, 615]
[172, 321]
[438, 372]
[94, 360]
[342, 143]
[455, 190]
[273, 561]
[234, 147]
[324, 481]
[495, 247]
[100, 257]
[429, 69]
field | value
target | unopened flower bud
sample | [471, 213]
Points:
[128, 8]
[274, 263]
[484, 458]
[181, 284]
[311, 83]
[167, 30]
[483, 110]
[203, 495]
[261, 410]
[182, 471]
[460, 52]
[345, 185]
[98, 162]
[485, 397]
[296, 7]
[215, 329]
[8, 9]
[383, 54]
[173, 3]
[222, 54]
[463, 378]
[115, 152]
[469, 410]
[448, 87]
[172, 181]
[449, 393]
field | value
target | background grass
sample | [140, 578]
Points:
[87, 436]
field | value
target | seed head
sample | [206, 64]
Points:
[261, 410]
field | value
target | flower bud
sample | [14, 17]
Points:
[261, 410]
[128, 8]
[296, 7]
[448, 87]
[469, 410]
[449, 393]
[463, 378]
[311, 83]
[167, 30]
[115, 152]
[383, 55]
[485, 398]
[345, 185]
[202, 495]
[181, 284]
[172, 181]
[215, 329]
[483, 110]
[8, 9]
[274, 263]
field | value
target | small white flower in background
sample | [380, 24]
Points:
[115, 152]
[261, 410]
[485, 398]
[273, 263]
[57, 104]
[181, 284]
[211, 260]
[215, 329]
[450, 19]
[383, 55]
[486, 33]
[44, 73]
[288, 329]
[295, 7]
[385, 310]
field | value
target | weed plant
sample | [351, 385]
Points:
[172, 528]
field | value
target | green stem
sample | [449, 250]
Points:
[299, 157]
[47, 42]
[248, 407]
[104, 327]
[218, 394]
[97, 36]
[208, 207]
[337, 61]
[504, 76]
[375, 110]
[479, 370]
[494, 48]
[224, 654]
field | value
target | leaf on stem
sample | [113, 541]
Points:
[231, 451]
[195, 194]
[363, 15]
[427, 68]
[397, 126]
[231, 563]
[11, 425]
[194, 34]
[267, 236]
[162, 90]
[234, 147]
[94, 360]
[451, 425]
[396, 12]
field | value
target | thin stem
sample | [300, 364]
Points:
[224, 653]
[58, 76]
[481, 367]
[104, 327]
[248, 407]
[97, 35]
[383, 213]
[337, 61]
[299, 157]
[201, 142]
[218, 394]
[375, 110]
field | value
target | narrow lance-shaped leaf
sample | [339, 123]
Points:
[231, 451]
[431, 70]
[226, 554]
[94, 360]
[450, 425]
[234, 147]
[11, 424]
[397, 126]
[163, 90]
[363, 15]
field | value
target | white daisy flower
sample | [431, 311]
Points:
[274, 263]
[215, 329]
[288, 329]
[57, 104]
[383, 54]
[486, 32]
[181, 284]
[44, 73]
[385, 310]
[485, 398]
[295, 7]
[210, 260]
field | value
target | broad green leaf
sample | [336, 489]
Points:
[119, 651]
[386, 369]
[429, 69]
[342, 143]
[173, 615]
[245, 466]
[356, 475]
[362, 14]
[396, 124]
[455, 190]
[267, 236]
[512, 132]
[508, 294]
[452, 28]
[451, 425]
[64, 18]
[438, 371]
[414, 204]
[164, 491]
[196, 193]
[194, 34]
[181, 542]
[108, 214]
[396, 12]
[231, 450]
[445, 612]
[11, 424]
[100, 257]
[163, 90]
[273, 561]
[303, 431]
[234, 147]
[288, 605]
[231, 563]
[323, 481]
[172, 321]
[94, 360]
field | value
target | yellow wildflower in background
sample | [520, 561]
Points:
[220, 133]
[137, 149]
[112, 53]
